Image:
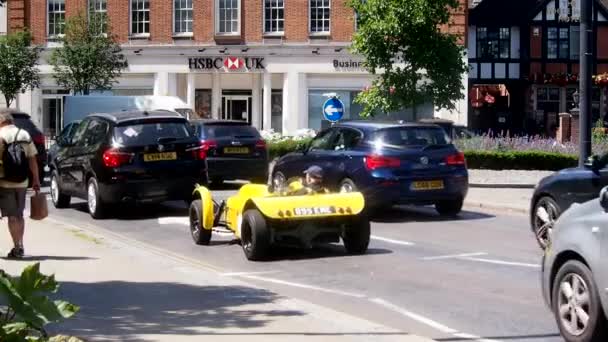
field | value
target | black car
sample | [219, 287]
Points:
[66, 134]
[24, 121]
[556, 193]
[390, 163]
[128, 157]
[235, 150]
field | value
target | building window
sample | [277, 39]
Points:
[274, 16]
[320, 16]
[55, 17]
[99, 10]
[3, 20]
[140, 17]
[228, 17]
[493, 43]
[182, 16]
[558, 43]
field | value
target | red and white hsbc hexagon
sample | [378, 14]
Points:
[233, 63]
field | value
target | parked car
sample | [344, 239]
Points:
[66, 134]
[390, 163]
[128, 157]
[235, 150]
[24, 121]
[575, 271]
[555, 194]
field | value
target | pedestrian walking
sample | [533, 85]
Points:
[18, 157]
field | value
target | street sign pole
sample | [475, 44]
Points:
[586, 66]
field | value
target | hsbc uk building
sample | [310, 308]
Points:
[272, 63]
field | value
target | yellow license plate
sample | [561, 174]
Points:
[236, 150]
[428, 185]
[152, 157]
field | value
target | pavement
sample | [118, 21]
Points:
[509, 179]
[131, 291]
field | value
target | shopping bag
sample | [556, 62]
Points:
[38, 206]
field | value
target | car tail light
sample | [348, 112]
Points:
[376, 162]
[260, 144]
[39, 139]
[114, 158]
[456, 159]
[203, 149]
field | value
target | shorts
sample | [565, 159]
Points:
[12, 201]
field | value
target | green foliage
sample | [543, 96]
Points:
[402, 42]
[281, 148]
[29, 308]
[519, 160]
[18, 60]
[90, 57]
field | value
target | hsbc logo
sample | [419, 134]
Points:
[229, 63]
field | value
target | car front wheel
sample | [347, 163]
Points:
[200, 235]
[449, 208]
[255, 235]
[60, 200]
[576, 304]
[356, 236]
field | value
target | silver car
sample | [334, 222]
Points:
[575, 271]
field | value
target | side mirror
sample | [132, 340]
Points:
[593, 162]
[604, 198]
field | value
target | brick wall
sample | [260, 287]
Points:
[161, 21]
[342, 21]
[37, 22]
[203, 25]
[252, 15]
[118, 16]
[15, 15]
[73, 7]
[459, 23]
[296, 21]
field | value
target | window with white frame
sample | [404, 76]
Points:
[228, 17]
[3, 20]
[320, 16]
[55, 17]
[182, 17]
[274, 16]
[140, 17]
[99, 10]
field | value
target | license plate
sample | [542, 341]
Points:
[152, 157]
[313, 211]
[236, 150]
[428, 185]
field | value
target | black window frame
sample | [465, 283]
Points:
[340, 139]
[558, 40]
[501, 36]
[331, 132]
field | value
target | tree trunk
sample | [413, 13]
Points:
[8, 99]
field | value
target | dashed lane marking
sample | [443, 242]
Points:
[303, 286]
[453, 256]
[502, 262]
[396, 242]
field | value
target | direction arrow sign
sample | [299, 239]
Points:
[333, 109]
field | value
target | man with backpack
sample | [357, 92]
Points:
[18, 158]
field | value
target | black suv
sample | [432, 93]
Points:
[235, 150]
[128, 157]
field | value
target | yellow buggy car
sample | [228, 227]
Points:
[260, 217]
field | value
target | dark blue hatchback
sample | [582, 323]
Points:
[390, 163]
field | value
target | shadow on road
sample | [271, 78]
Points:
[280, 253]
[501, 338]
[123, 311]
[140, 212]
[29, 258]
[403, 214]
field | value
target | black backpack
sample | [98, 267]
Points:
[14, 160]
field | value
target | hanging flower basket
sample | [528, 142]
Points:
[601, 79]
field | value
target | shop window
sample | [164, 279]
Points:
[140, 17]
[276, 103]
[547, 109]
[558, 43]
[98, 9]
[320, 16]
[493, 43]
[202, 103]
[182, 17]
[55, 17]
[132, 92]
[274, 16]
[3, 20]
[228, 17]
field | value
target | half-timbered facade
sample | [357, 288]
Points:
[524, 59]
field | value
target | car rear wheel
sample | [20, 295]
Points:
[60, 200]
[356, 236]
[255, 235]
[200, 235]
[449, 208]
[576, 304]
[347, 185]
[546, 211]
[97, 209]
[278, 180]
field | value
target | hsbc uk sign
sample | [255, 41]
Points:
[226, 63]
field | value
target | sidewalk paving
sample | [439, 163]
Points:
[515, 200]
[132, 292]
[506, 178]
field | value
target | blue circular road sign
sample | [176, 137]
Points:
[333, 109]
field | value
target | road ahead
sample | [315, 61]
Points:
[474, 278]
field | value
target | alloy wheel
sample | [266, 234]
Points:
[194, 222]
[54, 189]
[544, 218]
[574, 304]
[278, 181]
[92, 197]
[346, 187]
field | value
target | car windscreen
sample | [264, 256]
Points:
[150, 132]
[229, 131]
[408, 137]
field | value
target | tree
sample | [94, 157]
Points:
[89, 58]
[415, 61]
[18, 60]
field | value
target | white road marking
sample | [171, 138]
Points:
[174, 220]
[454, 256]
[474, 338]
[396, 242]
[502, 262]
[416, 317]
[242, 274]
[303, 286]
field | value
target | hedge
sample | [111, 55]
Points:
[491, 160]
